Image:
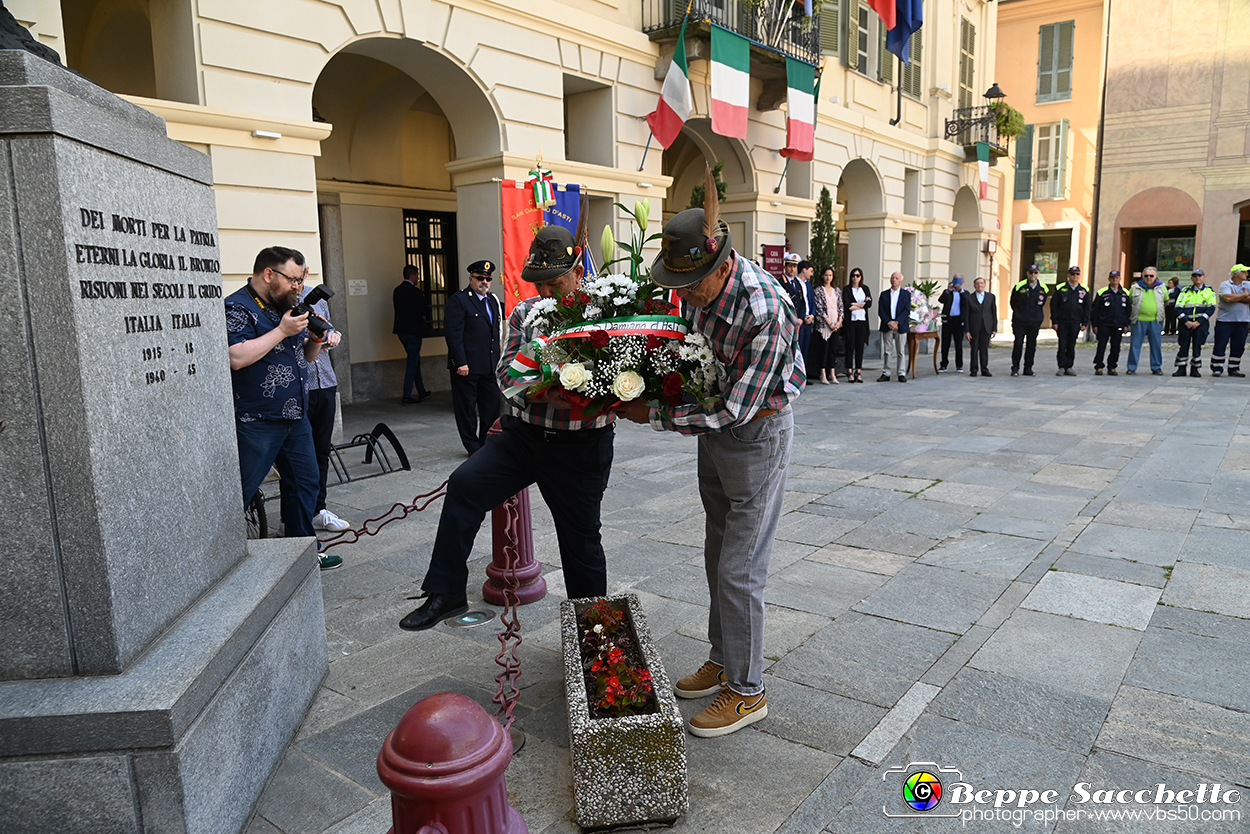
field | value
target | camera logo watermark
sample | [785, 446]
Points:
[921, 788]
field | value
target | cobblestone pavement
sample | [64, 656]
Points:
[1038, 581]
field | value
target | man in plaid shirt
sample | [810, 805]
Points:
[744, 451]
[570, 459]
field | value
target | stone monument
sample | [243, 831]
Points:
[155, 664]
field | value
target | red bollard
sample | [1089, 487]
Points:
[444, 764]
[531, 586]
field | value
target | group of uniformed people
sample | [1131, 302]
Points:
[1113, 312]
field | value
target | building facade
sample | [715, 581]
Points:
[372, 133]
[1050, 59]
[1175, 179]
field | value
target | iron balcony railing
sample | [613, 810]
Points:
[773, 23]
[976, 124]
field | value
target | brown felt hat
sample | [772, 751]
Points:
[551, 255]
[687, 253]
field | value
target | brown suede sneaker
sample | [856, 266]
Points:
[707, 681]
[728, 713]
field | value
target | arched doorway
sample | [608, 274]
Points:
[859, 189]
[966, 239]
[1159, 227]
[697, 146]
[403, 114]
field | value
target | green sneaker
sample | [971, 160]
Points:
[329, 561]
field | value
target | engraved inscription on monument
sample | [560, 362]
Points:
[169, 269]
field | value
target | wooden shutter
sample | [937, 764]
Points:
[1061, 176]
[911, 80]
[885, 59]
[1054, 61]
[1024, 164]
[967, 62]
[829, 27]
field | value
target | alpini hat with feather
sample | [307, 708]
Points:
[696, 242]
[552, 253]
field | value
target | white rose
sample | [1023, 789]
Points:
[573, 376]
[628, 385]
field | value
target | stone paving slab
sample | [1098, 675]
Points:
[957, 526]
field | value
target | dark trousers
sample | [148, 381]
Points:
[288, 445]
[979, 351]
[953, 331]
[475, 399]
[1026, 342]
[856, 340]
[1190, 340]
[1114, 336]
[1066, 355]
[412, 371]
[1230, 336]
[824, 354]
[1169, 319]
[321, 423]
[571, 470]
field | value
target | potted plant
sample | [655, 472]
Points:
[626, 736]
[1007, 120]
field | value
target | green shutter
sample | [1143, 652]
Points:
[911, 80]
[1054, 61]
[1061, 179]
[885, 59]
[1024, 164]
[829, 31]
[967, 62]
[850, 55]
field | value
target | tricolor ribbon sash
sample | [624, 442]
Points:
[543, 182]
[671, 327]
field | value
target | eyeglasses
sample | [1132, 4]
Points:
[684, 290]
[485, 278]
[298, 280]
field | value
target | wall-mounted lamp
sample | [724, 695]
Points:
[266, 134]
[833, 100]
[775, 203]
[644, 185]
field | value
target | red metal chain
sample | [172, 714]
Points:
[510, 665]
[386, 518]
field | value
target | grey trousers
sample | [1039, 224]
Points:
[894, 348]
[742, 481]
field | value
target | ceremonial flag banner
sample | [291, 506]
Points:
[983, 168]
[908, 17]
[676, 99]
[886, 10]
[801, 110]
[521, 221]
[731, 82]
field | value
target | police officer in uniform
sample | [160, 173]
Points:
[472, 322]
[1069, 314]
[1028, 309]
[1194, 307]
[1109, 318]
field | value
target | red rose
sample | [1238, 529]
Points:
[598, 339]
[582, 298]
[672, 385]
[653, 342]
[568, 300]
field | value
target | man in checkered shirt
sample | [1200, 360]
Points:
[744, 451]
[542, 442]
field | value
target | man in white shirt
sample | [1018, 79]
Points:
[895, 310]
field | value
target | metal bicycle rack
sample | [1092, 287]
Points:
[373, 450]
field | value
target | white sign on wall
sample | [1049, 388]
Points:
[358, 286]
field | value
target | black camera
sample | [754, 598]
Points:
[316, 324]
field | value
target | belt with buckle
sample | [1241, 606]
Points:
[559, 435]
[763, 412]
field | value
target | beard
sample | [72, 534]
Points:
[282, 302]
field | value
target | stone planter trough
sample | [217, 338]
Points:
[626, 770]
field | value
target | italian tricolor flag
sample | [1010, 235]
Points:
[676, 99]
[983, 168]
[801, 110]
[731, 82]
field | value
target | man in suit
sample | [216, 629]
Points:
[894, 307]
[954, 303]
[806, 270]
[982, 326]
[412, 322]
[472, 319]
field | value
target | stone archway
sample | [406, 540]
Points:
[965, 255]
[684, 161]
[860, 190]
[1159, 212]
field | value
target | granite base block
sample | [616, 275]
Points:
[185, 740]
[625, 770]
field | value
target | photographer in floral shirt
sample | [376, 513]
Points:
[744, 449]
[545, 442]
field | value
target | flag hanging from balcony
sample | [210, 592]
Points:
[800, 110]
[731, 82]
[676, 99]
[886, 10]
[908, 17]
[983, 168]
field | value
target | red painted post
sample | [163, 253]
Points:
[444, 764]
[531, 586]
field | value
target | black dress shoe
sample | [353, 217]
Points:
[986, 373]
[435, 609]
[425, 396]
[974, 373]
[883, 378]
[407, 401]
[902, 378]
[1028, 373]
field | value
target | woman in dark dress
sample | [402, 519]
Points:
[856, 299]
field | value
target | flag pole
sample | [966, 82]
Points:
[650, 136]
[898, 118]
[777, 190]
